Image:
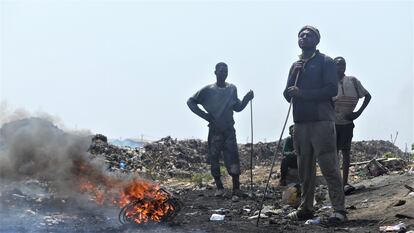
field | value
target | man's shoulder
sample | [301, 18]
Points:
[351, 78]
[231, 85]
[325, 57]
[208, 86]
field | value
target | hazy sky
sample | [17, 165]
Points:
[126, 68]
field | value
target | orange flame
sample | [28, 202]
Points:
[148, 201]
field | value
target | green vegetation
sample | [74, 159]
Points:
[389, 155]
[201, 178]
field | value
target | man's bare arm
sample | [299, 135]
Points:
[193, 105]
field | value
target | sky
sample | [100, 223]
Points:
[126, 68]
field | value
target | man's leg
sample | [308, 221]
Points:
[346, 160]
[346, 151]
[344, 138]
[324, 142]
[306, 165]
[214, 149]
[231, 158]
[283, 171]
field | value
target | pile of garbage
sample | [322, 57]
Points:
[170, 157]
[367, 150]
[164, 158]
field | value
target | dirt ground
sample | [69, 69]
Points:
[369, 208]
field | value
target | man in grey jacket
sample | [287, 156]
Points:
[314, 117]
[220, 100]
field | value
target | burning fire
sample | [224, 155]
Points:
[141, 201]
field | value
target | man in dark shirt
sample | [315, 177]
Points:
[289, 158]
[314, 117]
[220, 100]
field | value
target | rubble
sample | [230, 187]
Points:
[172, 158]
[375, 168]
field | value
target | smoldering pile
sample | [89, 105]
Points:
[58, 163]
[35, 148]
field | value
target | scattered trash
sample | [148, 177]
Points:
[29, 211]
[217, 217]
[221, 211]
[235, 198]
[394, 164]
[325, 208]
[257, 215]
[122, 164]
[18, 195]
[399, 203]
[375, 168]
[191, 214]
[396, 228]
[409, 188]
[269, 210]
[291, 196]
[315, 221]
[352, 207]
[404, 216]
[247, 210]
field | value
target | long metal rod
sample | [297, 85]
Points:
[274, 157]
[251, 146]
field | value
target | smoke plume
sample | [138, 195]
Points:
[35, 148]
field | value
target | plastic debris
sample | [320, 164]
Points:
[217, 217]
[396, 228]
[261, 216]
[315, 221]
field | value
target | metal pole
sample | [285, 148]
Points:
[274, 157]
[251, 146]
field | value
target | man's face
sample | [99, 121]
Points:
[221, 73]
[340, 66]
[307, 39]
[291, 129]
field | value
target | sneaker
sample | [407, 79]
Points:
[300, 215]
[239, 193]
[348, 189]
[219, 193]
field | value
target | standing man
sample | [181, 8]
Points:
[350, 90]
[314, 117]
[220, 100]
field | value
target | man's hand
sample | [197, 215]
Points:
[249, 96]
[209, 118]
[352, 116]
[293, 91]
[298, 66]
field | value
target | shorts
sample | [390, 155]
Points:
[344, 134]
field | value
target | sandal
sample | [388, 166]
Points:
[300, 215]
[337, 217]
[349, 189]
